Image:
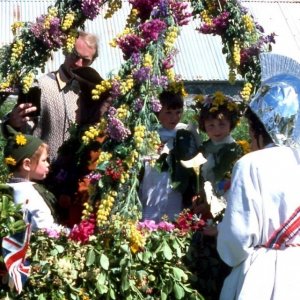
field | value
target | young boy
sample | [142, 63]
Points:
[27, 159]
[161, 190]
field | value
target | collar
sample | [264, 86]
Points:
[62, 79]
[227, 140]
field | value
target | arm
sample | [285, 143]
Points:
[238, 233]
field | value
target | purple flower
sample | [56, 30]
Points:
[116, 130]
[138, 104]
[151, 30]
[160, 81]
[144, 7]
[130, 44]
[180, 13]
[90, 8]
[51, 37]
[155, 105]
[142, 74]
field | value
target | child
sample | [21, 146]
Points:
[27, 159]
[219, 114]
[161, 190]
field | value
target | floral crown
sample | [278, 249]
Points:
[215, 102]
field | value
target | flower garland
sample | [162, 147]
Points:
[243, 39]
[110, 219]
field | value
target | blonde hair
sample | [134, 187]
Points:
[91, 40]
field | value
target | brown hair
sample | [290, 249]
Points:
[221, 113]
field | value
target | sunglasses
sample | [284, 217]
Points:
[76, 56]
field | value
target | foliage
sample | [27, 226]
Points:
[11, 217]
[106, 267]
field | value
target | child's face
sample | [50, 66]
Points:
[217, 129]
[169, 117]
[40, 171]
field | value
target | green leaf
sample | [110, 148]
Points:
[178, 273]
[101, 278]
[167, 251]
[112, 293]
[178, 291]
[90, 259]
[125, 283]
[163, 296]
[59, 248]
[104, 261]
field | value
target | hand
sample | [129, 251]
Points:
[19, 115]
[199, 206]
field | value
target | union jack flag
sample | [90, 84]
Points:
[14, 250]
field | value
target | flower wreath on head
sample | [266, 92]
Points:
[217, 103]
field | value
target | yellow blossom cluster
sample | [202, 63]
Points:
[148, 60]
[248, 23]
[205, 17]
[88, 209]
[104, 156]
[68, 21]
[154, 141]
[70, 41]
[122, 112]
[137, 239]
[7, 83]
[52, 12]
[101, 88]
[105, 207]
[124, 176]
[114, 5]
[132, 17]
[139, 134]
[171, 36]
[126, 85]
[90, 134]
[246, 91]
[16, 50]
[27, 82]
[236, 53]
[170, 74]
[131, 158]
[15, 26]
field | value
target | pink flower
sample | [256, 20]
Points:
[166, 226]
[52, 233]
[148, 224]
[83, 231]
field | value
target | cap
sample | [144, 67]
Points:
[19, 146]
[277, 101]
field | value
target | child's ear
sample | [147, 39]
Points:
[26, 164]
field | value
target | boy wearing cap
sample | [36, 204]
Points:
[26, 157]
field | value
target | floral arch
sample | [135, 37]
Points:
[108, 262]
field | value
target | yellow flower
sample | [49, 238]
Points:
[21, 139]
[10, 161]
[245, 146]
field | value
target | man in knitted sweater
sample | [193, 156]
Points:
[58, 95]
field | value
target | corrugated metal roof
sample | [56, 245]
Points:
[200, 57]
